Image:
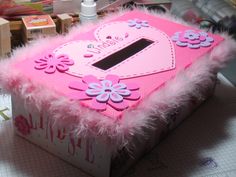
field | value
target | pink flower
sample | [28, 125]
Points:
[22, 125]
[50, 63]
[109, 91]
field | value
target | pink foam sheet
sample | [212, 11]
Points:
[141, 108]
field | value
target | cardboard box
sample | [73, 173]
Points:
[35, 26]
[5, 38]
[65, 23]
[100, 99]
[94, 155]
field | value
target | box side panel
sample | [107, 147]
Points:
[123, 161]
[89, 154]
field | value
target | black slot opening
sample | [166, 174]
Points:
[123, 54]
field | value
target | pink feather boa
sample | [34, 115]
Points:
[188, 84]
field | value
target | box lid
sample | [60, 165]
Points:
[116, 77]
[119, 63]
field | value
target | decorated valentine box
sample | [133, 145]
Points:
[105, 94]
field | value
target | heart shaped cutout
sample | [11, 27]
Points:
[128, 52]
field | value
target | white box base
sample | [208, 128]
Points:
[92, 155]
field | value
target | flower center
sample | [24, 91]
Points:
[53, 62]
[107, 90]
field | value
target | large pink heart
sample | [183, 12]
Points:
[153, 52]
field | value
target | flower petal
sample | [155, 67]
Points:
[98, 106]
[50, 55]
[68, 62]
[115, 97]
[178, 33]
[103, 97]
[138, 26]
[62, 57]
[175, 38]
[106, 84]
[79, 96]
[132, 86]
[61, 67]
[118, 106]
[209, 39]
[131, 23]
[90, 79]
[119, 86]
[202, 38]
[194, 46]
[145, 24]
[41, 66]
[133, 96]
[202, 33]
[96, 86]
[182, 39]
[181, 44]
[195, 41]
[123, 92]
[93, 92]
[138, 21]
[191, 35]
[78, 85]
[113, 78]
[205, 44]
[65, 59]
[41, 60]
[50, 69]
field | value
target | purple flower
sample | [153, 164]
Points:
[192, 39]
[109, 91]
[50, 63]
[138, 23]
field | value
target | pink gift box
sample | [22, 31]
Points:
[105, 94]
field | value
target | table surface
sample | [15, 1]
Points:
[203, 145]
